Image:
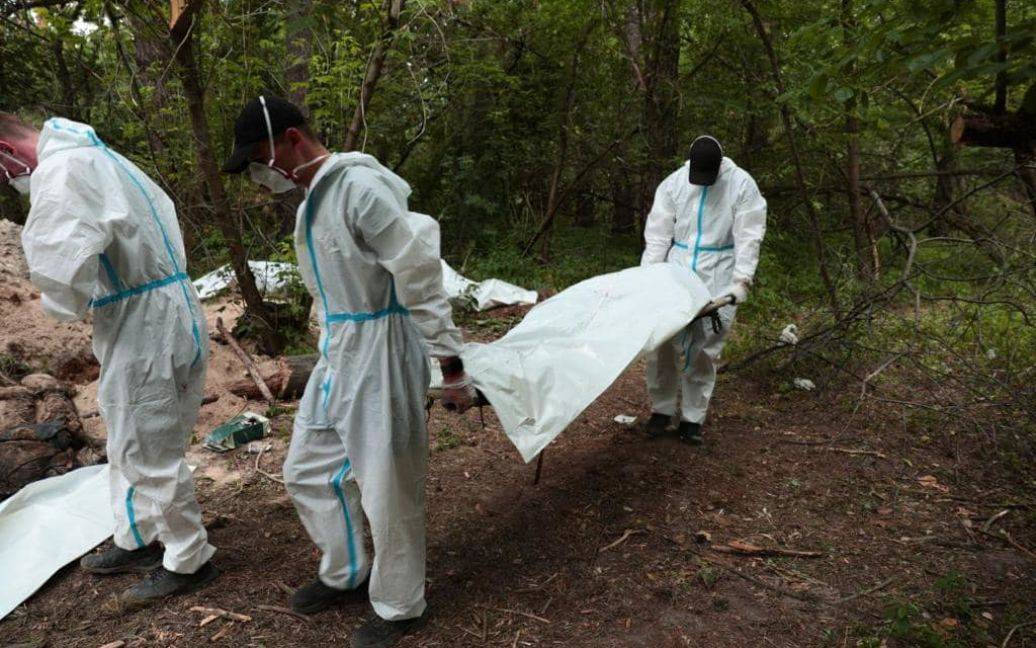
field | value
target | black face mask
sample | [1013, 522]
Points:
[706, 155]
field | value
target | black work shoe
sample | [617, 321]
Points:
[690, 433]
[379, 633]
[120, 561]
[161, 583]
[657, 424]
[316, 597]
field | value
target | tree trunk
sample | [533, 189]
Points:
[554, 194]
[660, 101]
[195, 95]
[800, 176]
[585, 209]
[559, 166]
[1000, 103]
[867, 267]
[866, 252]
[373, 73]
[624, 212]
[297, 37]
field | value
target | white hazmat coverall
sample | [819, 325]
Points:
[359, 443]
[102, 237]
[714, 231]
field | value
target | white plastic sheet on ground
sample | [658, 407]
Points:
[569, 349]
[272, 278]
[485, 294]
[47, 525]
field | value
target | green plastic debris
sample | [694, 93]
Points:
[238, 431]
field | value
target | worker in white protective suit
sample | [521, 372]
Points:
[707, 217]
[102, 238]
[359, 444]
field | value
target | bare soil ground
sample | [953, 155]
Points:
[603, 550]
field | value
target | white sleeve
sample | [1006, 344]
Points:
[658, 230]
[749, 229]
[407, 245]
[64, 234]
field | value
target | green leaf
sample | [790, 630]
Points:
[843, 94]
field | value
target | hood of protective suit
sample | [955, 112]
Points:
[61, 135]
[342, 161]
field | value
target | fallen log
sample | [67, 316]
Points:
[1008, 130]
[247, 361]
[286, 382]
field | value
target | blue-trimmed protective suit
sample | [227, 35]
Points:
[714, 231]
[102, 238]
[359, 444]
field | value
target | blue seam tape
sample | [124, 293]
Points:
[336, 483]
[131, 516]
[326, 388]
[697, 239]
[335, 318]
[704, 248]
[310, 199]
[138, 290]
[109, 270]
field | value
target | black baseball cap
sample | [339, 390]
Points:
[706, 155]
[250, 128]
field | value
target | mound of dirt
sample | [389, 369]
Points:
[29, 336]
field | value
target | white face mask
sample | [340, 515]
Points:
[270, 177]
[19, 182]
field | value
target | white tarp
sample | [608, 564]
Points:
[47, 525]
[569, 349]
[272, 278]
[485, 294]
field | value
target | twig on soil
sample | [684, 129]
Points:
[1010, 634]
[283, 610]
[1005, 537]
[234, 616]
[992, 520]
[537, 588]
[262, 472]
[516, 635]
[222, 633]
[207, 620]
[519, 612]
[941, 542]
[820, 444]
[870, 590]
[808, 598]
[247, 361]
[737, 547]
[282, 586]
[120, 643]
[625, 536]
